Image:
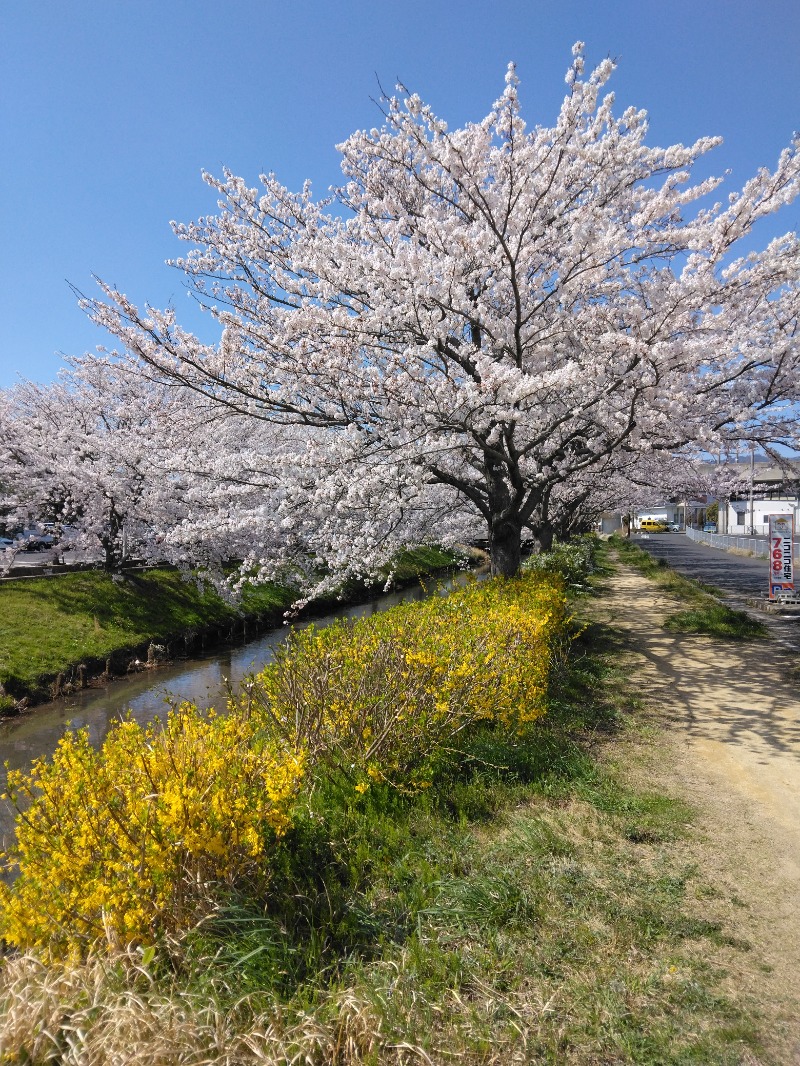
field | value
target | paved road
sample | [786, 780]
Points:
[741, 578]
[35, 563]
[740, 575]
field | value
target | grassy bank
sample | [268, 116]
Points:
[50, 625]
[530, 904]
[704, 613]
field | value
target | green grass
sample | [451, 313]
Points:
[529, 907]
[717, 620]
[49, 625]
[705, 613]
[532, 905]
[414, 563]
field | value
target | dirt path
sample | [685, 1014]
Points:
[732, 714]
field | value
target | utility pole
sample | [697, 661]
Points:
[752, 479]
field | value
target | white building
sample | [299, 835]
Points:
[677, 512]
[610, 522]
[736, 516]
[668, 513]
[770, 492]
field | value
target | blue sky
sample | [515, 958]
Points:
[109, 110]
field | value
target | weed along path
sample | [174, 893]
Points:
[732, 718]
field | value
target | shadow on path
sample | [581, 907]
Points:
[735, 702]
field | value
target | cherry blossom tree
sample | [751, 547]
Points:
[477, 325]
[88, 455]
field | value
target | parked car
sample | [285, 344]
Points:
[674, 527]
[652, 525]
[710, 527]
[35, 541]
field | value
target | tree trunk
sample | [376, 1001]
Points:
[544, 537]
[112, 562]
[505, 547]
[111, 539]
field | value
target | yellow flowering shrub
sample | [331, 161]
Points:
[139, 838]
[376, 697]
[121, 843]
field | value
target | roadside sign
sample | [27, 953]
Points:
[781, 559]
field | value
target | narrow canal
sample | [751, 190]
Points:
[146, 696]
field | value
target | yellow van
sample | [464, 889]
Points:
[652, 525]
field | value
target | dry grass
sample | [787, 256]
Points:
[108, 1012]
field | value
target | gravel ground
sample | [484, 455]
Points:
[730, 745]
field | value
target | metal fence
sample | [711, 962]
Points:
[754, 545]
